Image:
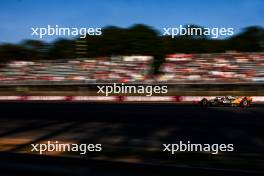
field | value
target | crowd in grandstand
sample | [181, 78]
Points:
[214, 68]
[114, 69]
[177, 68]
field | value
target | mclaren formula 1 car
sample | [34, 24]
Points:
[227, 101]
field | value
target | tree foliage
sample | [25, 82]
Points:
[137, 39]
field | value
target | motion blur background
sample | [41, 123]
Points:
[130, 50]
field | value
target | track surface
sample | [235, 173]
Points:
[131, 131]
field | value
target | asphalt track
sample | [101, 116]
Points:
[137, 131]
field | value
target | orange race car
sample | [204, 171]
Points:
[242, 101]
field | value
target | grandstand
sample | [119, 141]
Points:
[230, 67]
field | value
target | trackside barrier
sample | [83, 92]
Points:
[186, 99]
[93, 98]
[9, 98]
[148, 99]
[45, 98]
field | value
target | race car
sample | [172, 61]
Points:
[241, 101]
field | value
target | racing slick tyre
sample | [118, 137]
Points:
[244, 103]
[204, 102]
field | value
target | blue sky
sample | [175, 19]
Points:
[18, 16]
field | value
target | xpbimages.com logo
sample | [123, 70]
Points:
[64, 31]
